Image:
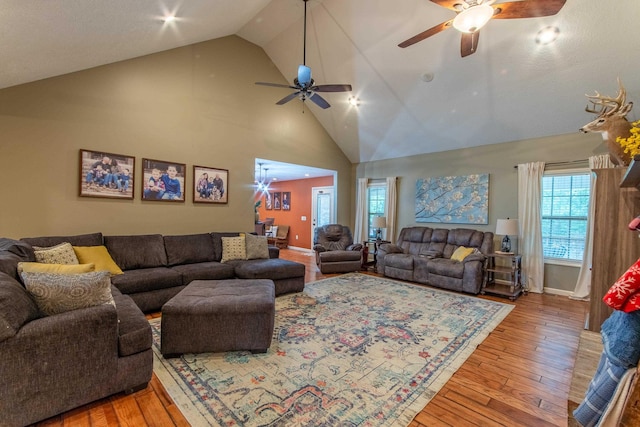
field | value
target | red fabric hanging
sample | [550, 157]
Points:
[624, 295]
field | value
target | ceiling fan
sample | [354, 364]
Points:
[303, 84]
[474, 14]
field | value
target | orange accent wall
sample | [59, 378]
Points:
[300, 206]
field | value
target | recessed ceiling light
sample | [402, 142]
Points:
[169, 18]
[354, 101]
[547, 35]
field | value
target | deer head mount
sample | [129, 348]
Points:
[611, 122]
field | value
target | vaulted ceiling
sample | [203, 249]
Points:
[511, 89]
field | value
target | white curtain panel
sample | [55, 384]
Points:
[361, 229]
[529, 216]
[392, 202]
[583, 285]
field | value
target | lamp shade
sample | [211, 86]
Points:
[379, 222]
[507, 227]
[472, 19]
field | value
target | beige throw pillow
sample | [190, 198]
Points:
[59, 293]
[257, 247]
[233, 248]
[58, 254]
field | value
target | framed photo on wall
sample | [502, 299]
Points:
[105, 174]
[210, 185]
[268, 205]
[163, 181]
[277, 200]
[286, 200]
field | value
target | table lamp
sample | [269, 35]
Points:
[506, 227]
[379, 222]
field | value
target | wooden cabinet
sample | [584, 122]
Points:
[615, 247]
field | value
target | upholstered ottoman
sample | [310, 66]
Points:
[219, 315]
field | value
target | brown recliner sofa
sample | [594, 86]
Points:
[423, 255]
[335, 250]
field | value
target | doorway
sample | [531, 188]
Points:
[323, 207]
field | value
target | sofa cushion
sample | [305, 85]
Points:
[233, 248]
[16, 307]
[59, 254]
[401, 261]
[257, 247]
[134, 332]
[274, 269]
[93, 239]
[338, 256]
[446, 267]
[204, 271]
[137, 251]
[189, 249]
[59, 293]
[39, 267]
[99, 256]
[11, 253]
[146, 279]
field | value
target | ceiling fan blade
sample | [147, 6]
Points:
[527, 9]
[331, 88]
[425, 34]
[469, 43]
[447, 3]
[276, 85]
[288, 98]
[319, 101]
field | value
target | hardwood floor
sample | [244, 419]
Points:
[519, 376]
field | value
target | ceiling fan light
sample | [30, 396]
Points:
[472, 19]
[304, 75]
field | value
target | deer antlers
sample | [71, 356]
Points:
[606, 106]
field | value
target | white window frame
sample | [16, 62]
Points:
[565, 172]
[383, 186]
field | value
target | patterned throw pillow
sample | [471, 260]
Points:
[39, 267]
[257, 247]
[233, 248]
[624, 295]
[59, 293]
[58, 254]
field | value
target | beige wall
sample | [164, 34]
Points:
[498, 160]
[193, 105]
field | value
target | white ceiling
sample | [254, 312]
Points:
[510, 89]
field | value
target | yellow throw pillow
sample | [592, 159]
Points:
[233, 248]
[98, 255]
[38, 267]
[461, 253]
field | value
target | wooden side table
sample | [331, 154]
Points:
[366, 264]
[503, 275]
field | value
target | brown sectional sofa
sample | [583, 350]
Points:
[423, 255]
[51, 364]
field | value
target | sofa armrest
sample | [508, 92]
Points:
[355, 247]
[274, 252]
[389, 248]
[319, 248]
[474, 257]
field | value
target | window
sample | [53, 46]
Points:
[376, 199]
[565, 207]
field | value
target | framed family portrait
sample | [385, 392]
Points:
[163, 181]
[210, 185]
[276, 200]
[286, 200]
[105, 174]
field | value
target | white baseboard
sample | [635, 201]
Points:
[295, 248]
[556, 291]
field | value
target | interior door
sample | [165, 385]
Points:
[323, 209]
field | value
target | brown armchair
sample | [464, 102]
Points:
[335, 250]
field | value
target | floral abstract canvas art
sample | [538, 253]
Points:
[453, 199]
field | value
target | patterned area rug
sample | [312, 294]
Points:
[353, 350]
